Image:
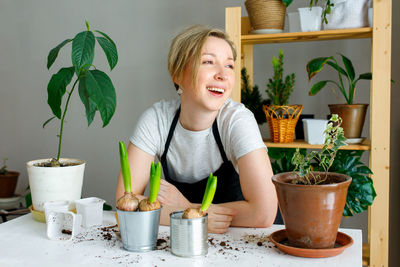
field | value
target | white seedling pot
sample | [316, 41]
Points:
[55, 206]
[314, 131]
[55, 183]
[91, 210]
[310, 18]
[60, 221]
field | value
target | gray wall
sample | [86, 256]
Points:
[142, 31]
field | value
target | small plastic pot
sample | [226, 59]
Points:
[91, 209]
[63, 225]
[314, 131]
[55, 206]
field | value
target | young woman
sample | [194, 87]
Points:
[204, 131]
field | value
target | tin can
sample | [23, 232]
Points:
[139, 229]
[188, 236]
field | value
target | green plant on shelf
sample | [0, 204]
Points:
[251, 98]
[315, 65]
[3, 169]
[279, 89]
[326, 9]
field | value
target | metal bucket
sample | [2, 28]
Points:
[188, 236]
[139, 229]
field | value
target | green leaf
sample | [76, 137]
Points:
[125, 169]
[365, 76]
[54, 53]
[49, 120]
[28, 199]
[106, 207]
[349, 67]
[101, 91]
[82, 50]
[155, 178]
[110, 50]
[317, 87]
[337, 67]
[287, 2]
[315, 65]
[209, 194]
[106, 36]
[57, 87]
[90, 105]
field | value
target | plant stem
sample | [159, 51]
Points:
[62, 119]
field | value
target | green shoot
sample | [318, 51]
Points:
[155, 178]
[209, 193]
[125, 170]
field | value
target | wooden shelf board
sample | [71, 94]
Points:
[365, 145]
[289, 37]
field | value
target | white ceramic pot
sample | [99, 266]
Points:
[314, 131]
[55, 183]
[347, 14]
[310, 18]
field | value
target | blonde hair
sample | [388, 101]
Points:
[186, 48]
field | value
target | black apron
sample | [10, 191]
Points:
[228, 184]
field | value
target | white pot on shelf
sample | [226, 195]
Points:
[55, 183]
[314, 131]
[346, 14]
[310, 18]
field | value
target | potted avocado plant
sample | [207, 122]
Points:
[62, 178]
[353, 115]
[8, 181]
[312, 202]
[281, 117]
[267, 16]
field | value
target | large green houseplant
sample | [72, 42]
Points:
[281, 117]
[353, 114]
[57, 178]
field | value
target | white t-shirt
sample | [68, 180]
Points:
[192, 155]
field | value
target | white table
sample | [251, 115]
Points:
[23, 242]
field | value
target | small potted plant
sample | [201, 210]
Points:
[312, 202]
[281, 117]
[8, 181]
[267, 16]
[62, 178]
[138, 221]
[353, 115]
[188, 229]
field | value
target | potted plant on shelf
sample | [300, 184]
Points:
[312, 202]
[353, 115]
[281, 117]
[8, 181]
[62, 178]
[267, 16]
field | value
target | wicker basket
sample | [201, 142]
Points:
[282, 121]
[266, 14]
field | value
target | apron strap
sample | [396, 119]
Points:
[218, 140]
[170, 134]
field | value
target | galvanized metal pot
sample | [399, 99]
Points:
[139, 229]
[188, 236]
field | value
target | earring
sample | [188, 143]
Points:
[179, 91]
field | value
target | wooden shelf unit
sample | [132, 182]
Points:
[365, 145]
[376, 252]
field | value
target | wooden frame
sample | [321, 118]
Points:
[376, 252]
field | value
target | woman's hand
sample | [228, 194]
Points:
[219, 218]
[169, 195]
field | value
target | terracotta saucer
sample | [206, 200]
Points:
[279, 238]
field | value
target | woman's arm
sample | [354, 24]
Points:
[260, 205]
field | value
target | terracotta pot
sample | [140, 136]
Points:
[8, 183]
[312, 213]
[353, 117]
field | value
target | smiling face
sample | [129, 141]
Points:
[215, 77]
